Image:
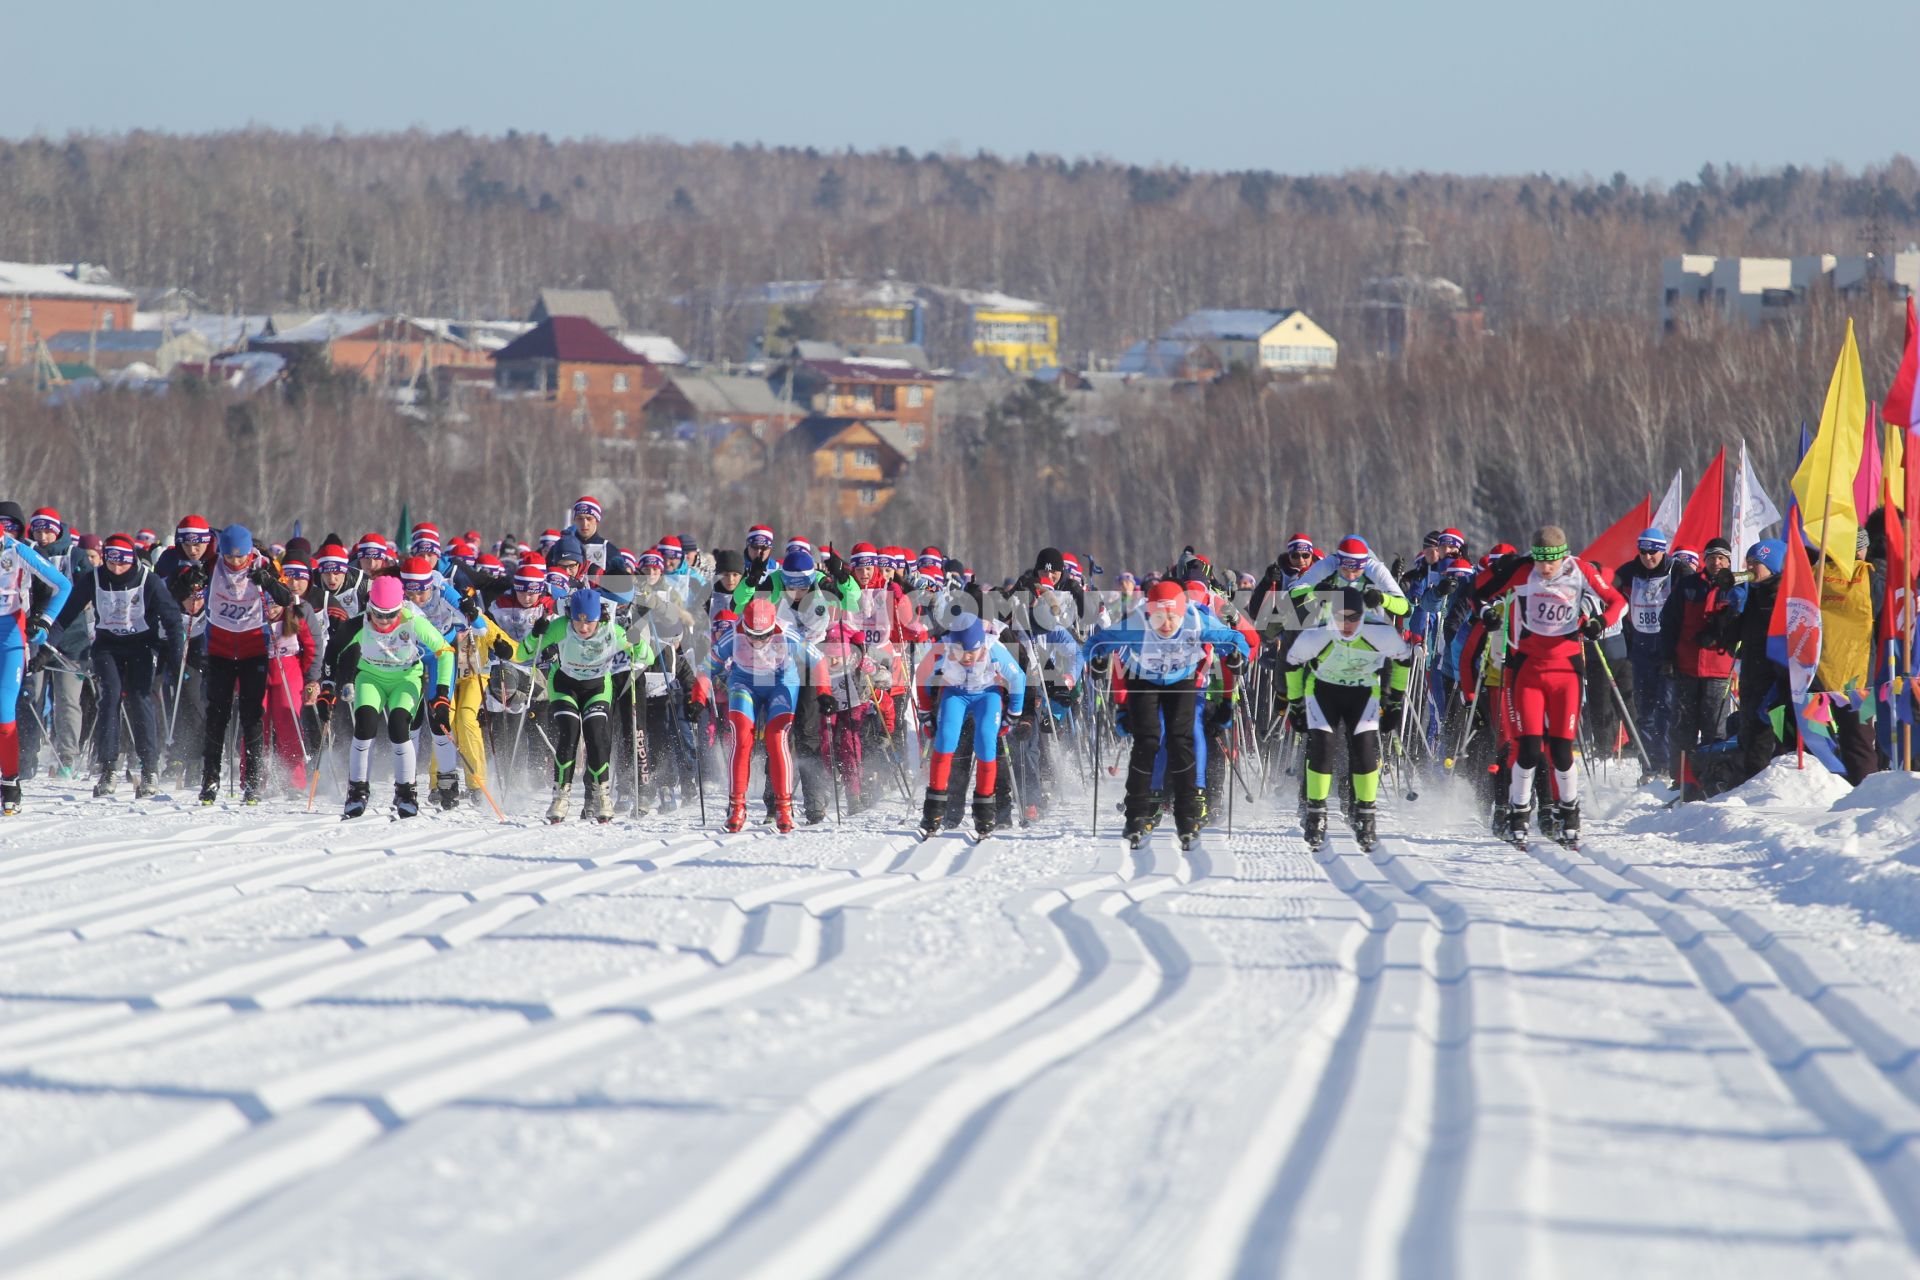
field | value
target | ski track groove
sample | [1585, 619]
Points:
[1377, 1114]
[1845, 1064]
[181, 1181]
[874, 1131]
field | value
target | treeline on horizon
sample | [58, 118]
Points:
[1569, 411]
[454, 224]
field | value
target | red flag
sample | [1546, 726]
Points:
[1899, 404]
[1701, 520]
[1794, 632]
[1616, 546]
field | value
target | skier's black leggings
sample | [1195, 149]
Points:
[580, 710]
[1559, 750]
[1148, 707]
[366, 724]
[1343, 705]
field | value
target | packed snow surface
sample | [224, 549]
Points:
[263, 1043]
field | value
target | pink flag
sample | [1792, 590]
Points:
[1866, 481]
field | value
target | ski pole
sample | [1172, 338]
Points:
[1633, 730]
[1466, 730]
[1096, 762]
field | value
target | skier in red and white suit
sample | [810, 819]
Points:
[1558, 603]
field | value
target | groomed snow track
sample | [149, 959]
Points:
[269, 1044]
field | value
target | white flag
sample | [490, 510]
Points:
[1753, 510]
[1667, 518]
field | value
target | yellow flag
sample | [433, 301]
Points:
[1824, 482]
[1893, 476]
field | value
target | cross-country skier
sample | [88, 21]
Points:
[383, 656]
[241, 583]
[1333, 683]
[1646, 581]
[965, 677]
[763, 668]
[23, 624]
[1160, 654]
[1557, 601]
[581, 695]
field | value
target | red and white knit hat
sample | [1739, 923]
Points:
[587, 507]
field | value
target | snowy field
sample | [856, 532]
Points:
[263, 1044]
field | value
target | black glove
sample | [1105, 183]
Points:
[1398, 567]
[1723, 580]
[470, 607]
[1233, 659]
[197, 575]
[1446, 586]
[1593, 627]
[36, 623]
[837, 568]
[1372, 597]
[1392, 708]
[1297, 716]
[1490, 615]
[260, 575]
[503, 649]
[828, 704]
[926, 724]
[1220, 716]
[1099, 665]
[440, 711]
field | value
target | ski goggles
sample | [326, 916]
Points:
[1648, 545]
[193, 538]
[760, 540]
[118, 555]
[384, 619]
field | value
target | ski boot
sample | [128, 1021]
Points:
[1136, 831]
[1519, 822]
[104, 787]
[1550, 819]
[814, 817]
[645, 800]
[447, 795]
[1570, 824]
[736, 815]
[599, 804]
[147, 785]
[209, 788]
[1499, 820]
[1188, 831]
[357, 796]
[931, 813]
[1313, 824]
[406, 800]
[250, 794]
[783, 817]
[985, 811]
[1363, 831]
[557, 811]
[1156, 803]
[9, 797]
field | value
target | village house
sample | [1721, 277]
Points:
[1285, 341]
[582, 370]
[856, 463]
[39, 300]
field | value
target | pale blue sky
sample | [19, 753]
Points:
[1474, 86]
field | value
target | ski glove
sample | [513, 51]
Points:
[1593, 627]
[1373, 597]
[260, 575]
[470, 608]
[828, 704]
[1023, 728]
[1297, 717]
[37, 627]
[503, 649]
[440, 711]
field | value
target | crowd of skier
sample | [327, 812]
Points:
[625, 676]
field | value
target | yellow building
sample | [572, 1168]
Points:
[1020, 334]
[1272, 341]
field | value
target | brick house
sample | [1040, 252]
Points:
[38, 300]
[582, 370]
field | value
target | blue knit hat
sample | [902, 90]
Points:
[971, 634]
[235, 540]
[1652, 540]
[796, 569]
[584, 605]
[1771, 553]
